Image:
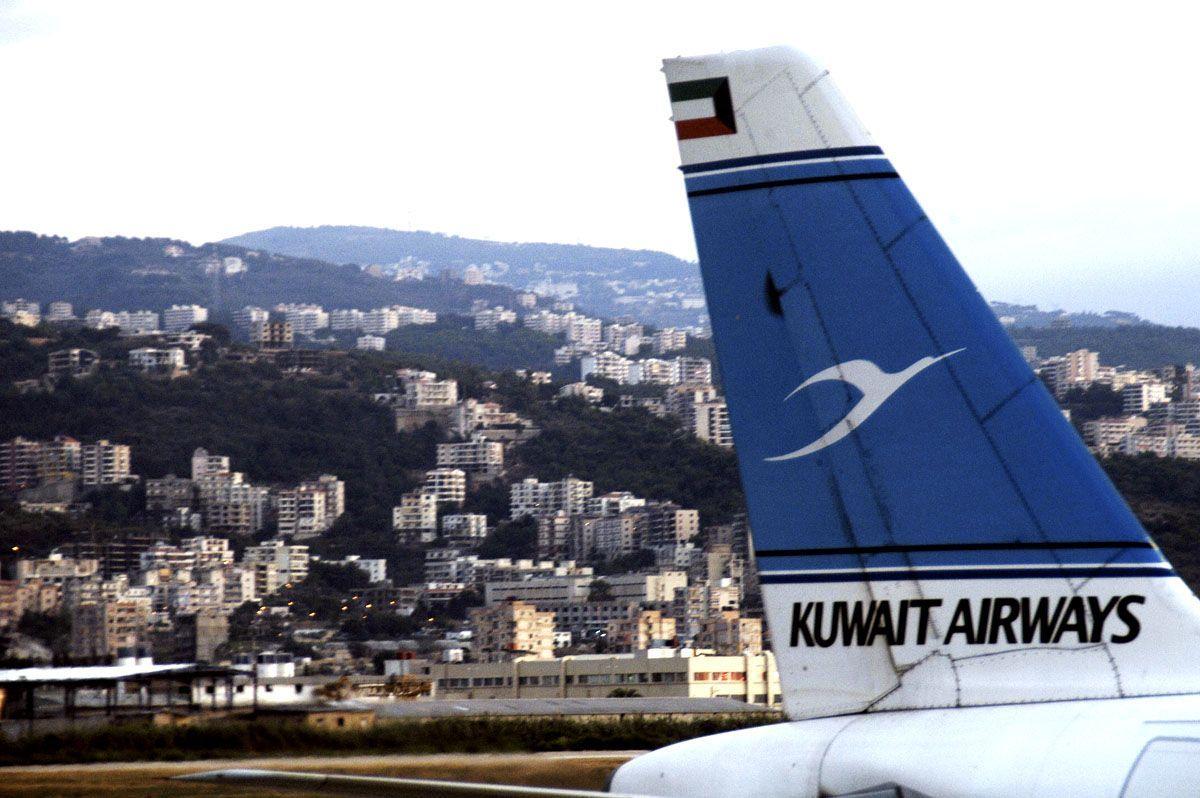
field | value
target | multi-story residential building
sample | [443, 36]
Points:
[345, 319]
[565, 354]
[73, 363]
[57, 569]
[96, 319]
[104, 463]
[531, 497]
[624, 339]
[709, 421]
[583, 330]
[247, 317]
[21, 311]
[59, 312]
[464, 528]
[449, 485]
[406, 316]
[1106, 433]
[423, 390]
[613, 503]
[370, 343]
[180, 317]
[681, 400]
[267, 334]
[149, 359]
[1078, 369]
[548, 589]
[290, 561]
[1140, 397]
[512, 629]
[639, 630]
[26, 463]
[471, 415]
[668, 339]
[305, 319]
[375, 569]
[608, 365]
[606, 536]
[312, 507]
[490, 319]
[169, 493]
[414, 520]
[544, 321]
[137, 321]
[654, 371]
[666, 524]
[380, 321]
[581, 390]
[729, 632]
[554, 535]
[205, 464]
[694, 370]
[477, 456]
[99, 629]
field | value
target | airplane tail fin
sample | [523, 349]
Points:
[930, 530]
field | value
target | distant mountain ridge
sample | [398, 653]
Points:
[655, 287]
[154, 273]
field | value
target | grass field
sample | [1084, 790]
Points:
[579, 770]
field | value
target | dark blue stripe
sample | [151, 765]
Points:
[786, 171]
[1113, 555]
[794, 182]
[964, 573]
[901, 548]
[798, 155]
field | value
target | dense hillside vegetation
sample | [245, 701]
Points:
[129, 273]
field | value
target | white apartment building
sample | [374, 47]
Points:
[624, 339]
[380, 321]
[312, 507]
[21, 311]
[305, 319]
[180, 317]
[290, 561]
[531, 497]
[1078, 369]
[490, 319]
[471, 527]
[608, 365]
[1103, 434]
[583, 330]
[694, 370]
[104, 463]
[545, 321]
[476, 456]
[351, 319]
[149, 359]
[668, 339]
[710, 422]
[247, 317]
[370, 343]
[654, 370]
[60, 311]
[423, 390]
[471, 415]
[448, 485]
[414, 520]
[137, 321]
[1141, 397]
[555, 590]
[406, 315]
[581, 390]
[613, 503]
[96, 319]
[565, 354]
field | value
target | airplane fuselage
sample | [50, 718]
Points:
[1114, 747]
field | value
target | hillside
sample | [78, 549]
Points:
[154, 273]
[651, 286]
[1140, 346]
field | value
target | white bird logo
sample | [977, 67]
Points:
[876, 386]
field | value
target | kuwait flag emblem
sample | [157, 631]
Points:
[702, 108]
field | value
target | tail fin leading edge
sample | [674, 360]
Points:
[930, 530]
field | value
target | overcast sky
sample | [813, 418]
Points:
[1053, 144]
